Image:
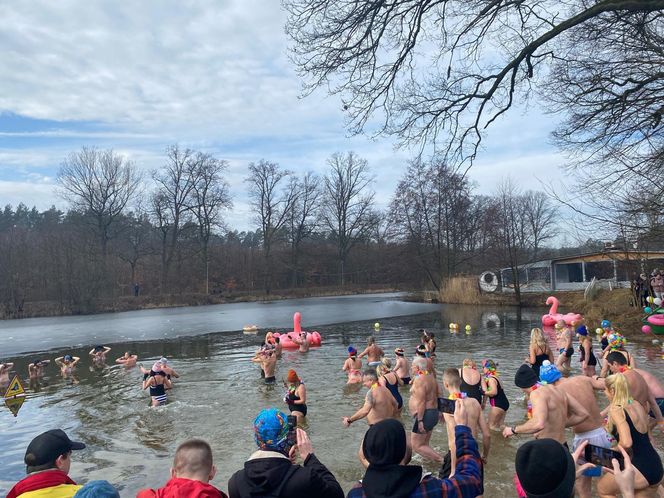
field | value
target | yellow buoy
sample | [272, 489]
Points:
[598, 330]
[376, 325]
[468, 328]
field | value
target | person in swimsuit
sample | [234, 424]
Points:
[607, 330]
[373, 353]
[157, 382]
[302, 342]
[278, 347]
[67, 364]
[471, 380]
[98, 355]
[267, 358]
[493, 391]
[128, 360]
[36, 368]
[430, 343]
[379, 403]
[353, 365]
[588, 359]
[565, 346]
[402, 369]
[296, 399]
[538, 351]
[387, 378]
[616, 343]
[423, 406]
[4, 372]
[628, 422]
[421, 352]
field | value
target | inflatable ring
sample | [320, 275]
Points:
[489, 281]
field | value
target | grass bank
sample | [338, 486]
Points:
[35, 309]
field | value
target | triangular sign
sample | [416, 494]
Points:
[15, 404]
[15, 388]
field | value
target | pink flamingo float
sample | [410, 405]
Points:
[286, 339]
[553, 317]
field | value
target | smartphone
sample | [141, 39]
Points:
[292, 426]
[446, 405]
[603, 456]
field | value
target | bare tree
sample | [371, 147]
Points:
[210, 196]
[302, 217]
[540, 219]
[347, 203]
[170, 202]
[136, 241]
[273, 200]
[100, 184]
[441, 71]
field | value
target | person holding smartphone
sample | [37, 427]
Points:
[628, 422]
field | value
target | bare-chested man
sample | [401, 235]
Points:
[582, 389]
[476, 422]
[278, 347]
[421, 352]
[655, 386]
[565, 340]
[302, 341]
[550, 409]
[128, 360]
[638, 387]
[267, 359]
[423, 406]
[36, 368]
[4, 372]
[353, 366]
[379, 403]
[401, 367]
[373, 353]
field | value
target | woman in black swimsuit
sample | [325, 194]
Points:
[539, 350]
[628, 422]
[296, 397]
[493, 391]
[472, 387]
[588, 359]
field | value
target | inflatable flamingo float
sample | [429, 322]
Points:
[286, 340]
[553, 317]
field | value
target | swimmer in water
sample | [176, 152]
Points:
[373, 353]
[494, 392]
[67, 364]
[353, 365]
[166, 368]
[565, 346]
[128, 360]
[401, 367]
[157, 382]
[421, 352]
[267, 359]
[4, 372]
[296, 397]
[302, 342]
[98, 355]
[36, 368]
[278, 347]
[390, 380]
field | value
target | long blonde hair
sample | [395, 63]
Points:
[617, 385]
[537, 338]
[384, 367]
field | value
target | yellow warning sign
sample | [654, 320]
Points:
[15, 388]
[15, 404]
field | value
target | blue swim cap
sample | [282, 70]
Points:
[549, 373]
[271, 430]
[582, 330]
[606, 324]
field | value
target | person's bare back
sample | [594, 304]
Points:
[581, 388]
[383, 404]
[655, 386]
[401, 368]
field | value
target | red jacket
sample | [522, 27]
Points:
[183, 488]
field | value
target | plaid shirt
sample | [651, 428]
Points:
[467, 480]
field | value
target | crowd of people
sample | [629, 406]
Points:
[457, 396]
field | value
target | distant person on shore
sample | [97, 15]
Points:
[302, 341]
[657, 283]
[538, 350]
[402, 368]
[271, 471]
[48, 460]
[192, 471]
[67, 364]
[373, 352]
[128, 360]
[267, 359]
[494, 392]
[379, 403]
[4, 372]
[98, 355]
[296, 398]
[423, 407]
[353, 366]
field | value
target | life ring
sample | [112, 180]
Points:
[250, 328]
[490, 320]
[489, 281]
[286, 339]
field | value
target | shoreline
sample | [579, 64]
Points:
[45, 309]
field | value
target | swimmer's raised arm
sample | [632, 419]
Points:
[58, 360]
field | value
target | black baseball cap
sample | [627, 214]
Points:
[48, 446]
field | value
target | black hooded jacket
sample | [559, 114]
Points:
[262, 477]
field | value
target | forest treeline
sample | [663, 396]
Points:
[124, 233]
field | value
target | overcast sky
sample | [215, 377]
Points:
[213, 75]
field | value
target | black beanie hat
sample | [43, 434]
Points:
[545, 469]
[525, 377]
[385, 443]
